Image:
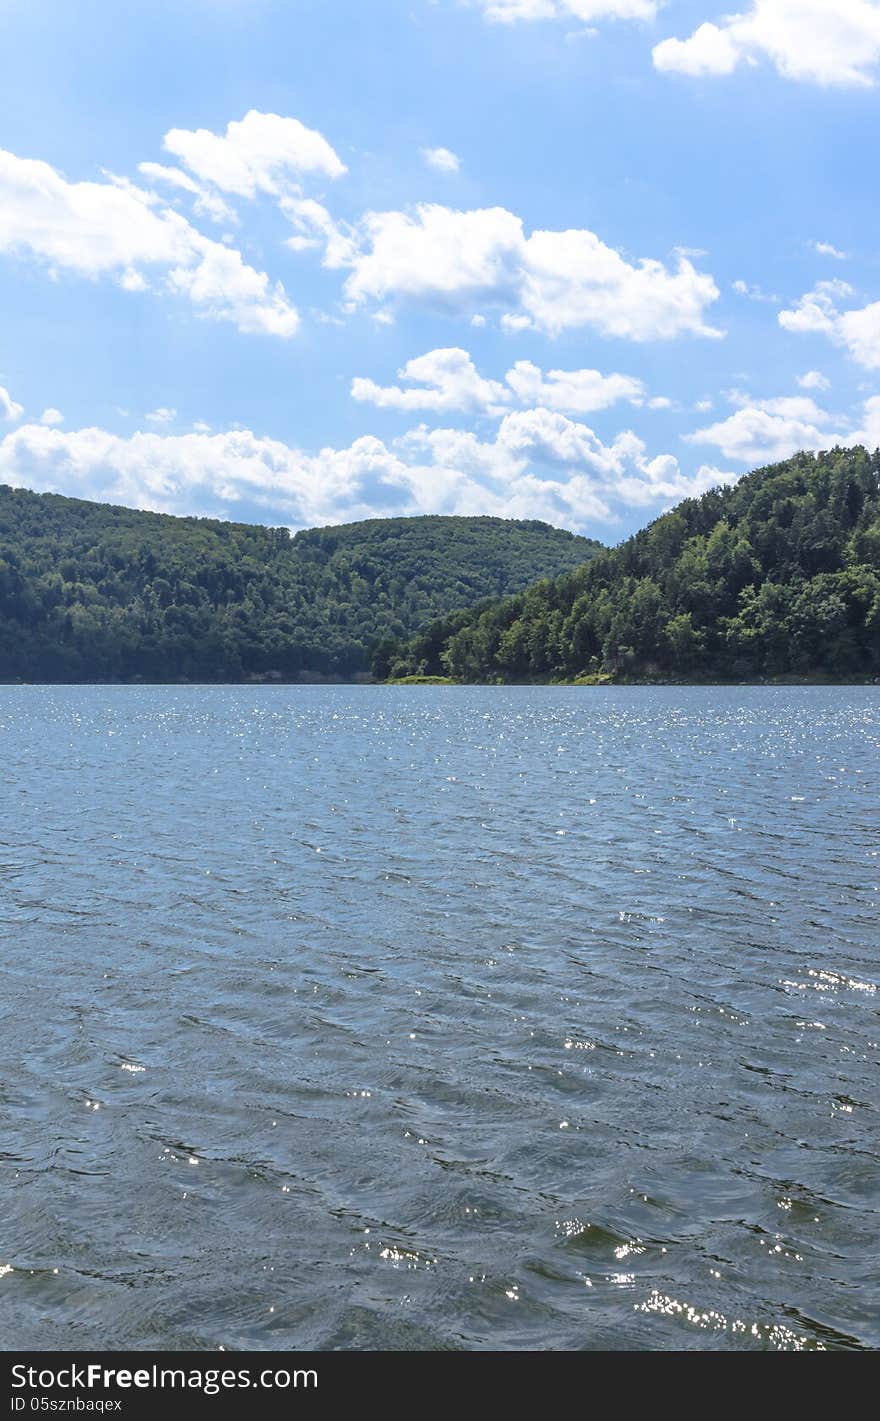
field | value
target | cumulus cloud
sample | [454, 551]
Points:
[709, 50]
[222, 285]
[574, 391]
[816, 310]
[317, 229]
[825, 249]
[515, 323]
[814, 380]
[869, 431]
[540, 454]
[8, 407]
[51, 417]
[452, 258]
[860, 332]
[510, 11]
[449, 380]
[179, 473]
[161, 416]
[753, 293]
[551, 280]
[539, 464]
[764, 431]
[441, 380]
[858, 329]
[461, 262]
[262, 152]
[207, 203]
[820, 41]
[118, 230]
[443, 159]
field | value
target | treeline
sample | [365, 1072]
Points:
[93, 592]
[778, 575]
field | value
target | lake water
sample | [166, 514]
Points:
[357, 1017]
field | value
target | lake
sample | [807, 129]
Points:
[416, 1017]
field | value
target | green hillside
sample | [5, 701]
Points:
[778, 575]
[93, 592]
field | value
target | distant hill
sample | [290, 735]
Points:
[93, 592]
[778, 575]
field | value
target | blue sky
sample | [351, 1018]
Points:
[302, 261]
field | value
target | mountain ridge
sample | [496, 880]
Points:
[93, 592]
[776, 575]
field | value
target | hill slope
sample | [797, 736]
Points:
[94, 592]
[778, 575]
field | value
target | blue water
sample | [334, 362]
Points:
[354, 1017]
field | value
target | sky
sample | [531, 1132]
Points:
[301, 262]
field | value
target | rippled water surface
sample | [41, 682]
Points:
[423, 1017]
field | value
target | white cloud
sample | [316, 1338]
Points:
[222, 285]
[764, 431]
[51, 417]
[549, 462]
[825, 249]
[452, 258]
[449, 380]
[131, 280]
[753, 293]
[161, 416]
[552, 280]
[788, 406]
[316, 228]
[442, 380]
[538, 465]
[574, 391]
[860, 333]
[549, 437]
[858, 330]
[816, 310]
[814, 380]
[263, 152]
[118, 230]
[515, 323]
[509, 11]
[91, 228]
[459, 262]
[8, 407]
[821, 41]
[869, 433]
[709, 50]
[443, 159]
[182, 473]
[789, 429]
[207, 203]
[572, 279]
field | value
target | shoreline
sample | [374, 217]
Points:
[624, 683]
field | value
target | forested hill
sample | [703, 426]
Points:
[778, 575]
[94, 592]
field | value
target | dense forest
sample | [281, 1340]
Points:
[776, 576]
[94, 592]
